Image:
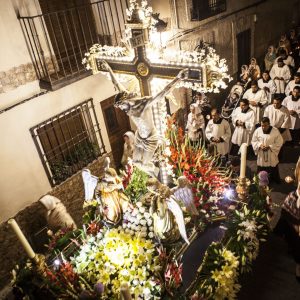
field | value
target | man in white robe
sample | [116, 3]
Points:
[287, 59]
[281, 74]
[243, 120]
[267, 85]
[292, 103]
[218, 133]
[267, 142]
[257, 100]
[290, 86]
[279, 118]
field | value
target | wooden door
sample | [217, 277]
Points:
[244, 48]
[117, 123]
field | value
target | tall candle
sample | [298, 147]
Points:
[125, 292]
[21, 238]
[243, 151]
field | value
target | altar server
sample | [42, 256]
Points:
[292, 103]
[257, 100]
[243, 119]
[267, 85]
[281, 74]
[290, 86]
[279, 118]
[267, 142]
[218, 132]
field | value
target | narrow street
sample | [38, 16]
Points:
[273, 275]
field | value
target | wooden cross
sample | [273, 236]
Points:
[140, 66]
[143, 69]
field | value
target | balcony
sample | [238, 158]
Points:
[57, 40]
[203, 9]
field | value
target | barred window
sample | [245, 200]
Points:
[203, 9]
[68, 141]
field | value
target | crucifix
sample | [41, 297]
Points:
[144, 70]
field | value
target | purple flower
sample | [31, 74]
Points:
[86, 295]
[99, 288]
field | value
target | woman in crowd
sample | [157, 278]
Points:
[270, 58]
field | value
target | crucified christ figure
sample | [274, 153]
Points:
[139, 109]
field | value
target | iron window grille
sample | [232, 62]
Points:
[68, 141]
[203, 9]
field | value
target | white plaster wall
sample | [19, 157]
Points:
[13, 50]
[22, 177]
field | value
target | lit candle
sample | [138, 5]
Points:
[243, 151]
[21, 238]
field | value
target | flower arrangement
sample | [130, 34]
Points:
[138, 220]
[137, 184]
[115, 256]
[218, 274]
[246, 229]
[203, 171]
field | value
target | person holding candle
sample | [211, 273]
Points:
[243, 120]
[267, 142]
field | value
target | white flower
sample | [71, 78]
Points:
[143, 222]
[142, 209]
[135, 282]
[139, 204]
[149, 222]
[151, 235]
[167, 151]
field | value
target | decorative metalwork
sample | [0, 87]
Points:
[69, 141]
[58, 40]
[203, 9]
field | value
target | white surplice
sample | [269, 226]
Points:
[290, 86]
[280, 118]
[293, 105]
[243, 134]
[268, 158]
[270, 85]
[283, 72]
[260, 97]
[289, 61]
[220, 129]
